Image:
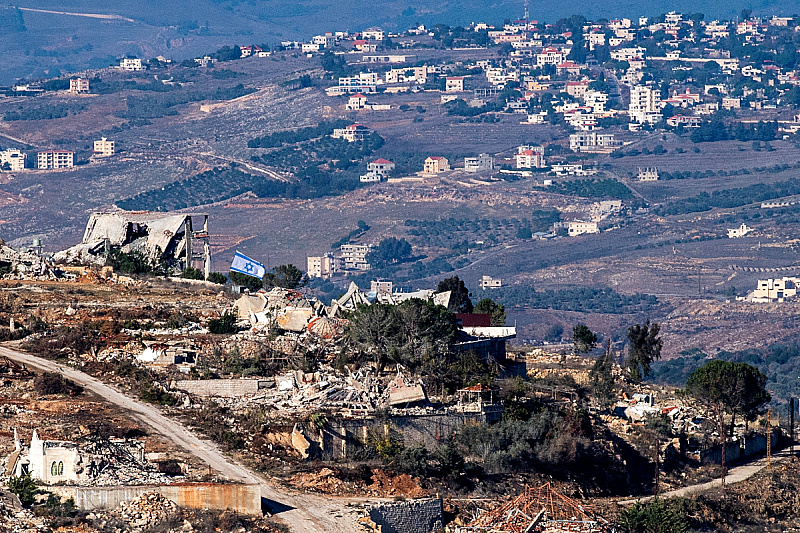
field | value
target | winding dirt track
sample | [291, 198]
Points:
[303, 513]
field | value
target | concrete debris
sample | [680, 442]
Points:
[157, 236]
[418, 516]
[14, 518]
[25, 264]
[351, 394]
[139, 514]
[95, 461]
[538, 510]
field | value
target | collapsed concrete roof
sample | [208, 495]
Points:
[155, 235]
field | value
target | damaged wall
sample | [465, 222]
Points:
[245, 499]
[417, 516]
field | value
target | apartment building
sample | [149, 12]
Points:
[12, 160]
[104, 148]
[55, 159]
[79, 85]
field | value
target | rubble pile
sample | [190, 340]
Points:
[354, 394]
[27, 265]
[140, 514]
[383, 484]
[538, 510]
[14, 518]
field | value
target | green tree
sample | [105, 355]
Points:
[373, 331]
[490, 307]
[645, 347]
[583, 339]
[224, 324]
[655, 516]
[244, 280]
[285, 276]
[602, 378]
[25, 488]
[391, 250]
[726, 387]
[459, 295]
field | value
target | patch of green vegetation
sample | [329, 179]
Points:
[280, 138]
[582, 299]
[728, 198]
[44, 113]
[160, 105]
[592, 188]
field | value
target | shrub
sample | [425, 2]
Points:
[192, 273]
[54, 383]
[217, 277]
[224, 324]
[25, 488]
[412, 461]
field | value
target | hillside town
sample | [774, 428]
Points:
[465, 279]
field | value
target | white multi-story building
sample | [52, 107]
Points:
[373, 34]
[79, 85]
[321, 267]
[481, 163]
[351, 133]
[549, 56]
[54, 159]
[645, 105]
[530, 157]
[354, 256]
[626, 54]
[104, 147]
[131, 63]
[593, 142]
[13, 158]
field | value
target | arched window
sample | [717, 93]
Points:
[54, 469]
[60, 468]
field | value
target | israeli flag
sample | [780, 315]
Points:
[245, 265]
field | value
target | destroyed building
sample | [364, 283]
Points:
[24, 264]
[171, 238]
[93, 461]
[540, 509]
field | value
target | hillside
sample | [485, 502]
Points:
[46, 38]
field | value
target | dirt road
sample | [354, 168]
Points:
[735, 475]
[303, 513]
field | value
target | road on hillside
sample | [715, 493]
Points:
[735, 475]
[303, 513]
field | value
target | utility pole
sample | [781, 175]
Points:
[791, 427]
[769, 443]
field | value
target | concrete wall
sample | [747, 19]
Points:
[245, 499]
[417, 516]
[341, 438]
[222, 387]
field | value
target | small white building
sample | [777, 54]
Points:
[488, 282]
[648, 174]
[579, 227]
[454, 84]
[741, 231]
[131, 63]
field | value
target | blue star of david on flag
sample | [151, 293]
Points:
[250, 267]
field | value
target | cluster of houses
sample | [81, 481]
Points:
[13, 160]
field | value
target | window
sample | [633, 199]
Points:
[60, 468]
[54, 469]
